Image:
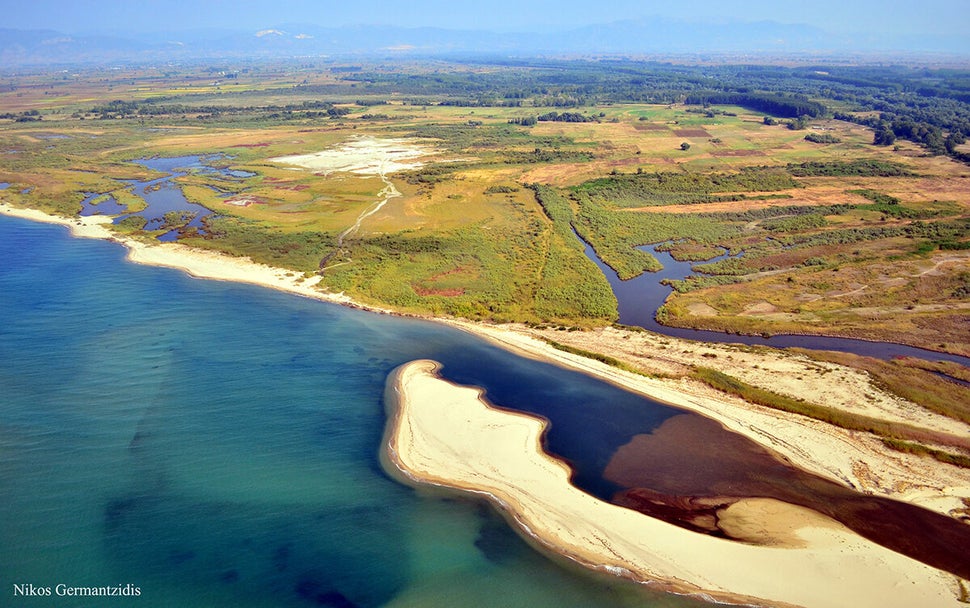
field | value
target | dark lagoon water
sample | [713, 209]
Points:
[216, 444]
[640, 297]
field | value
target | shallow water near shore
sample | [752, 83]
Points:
[216, 444]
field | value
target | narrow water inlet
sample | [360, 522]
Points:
[640, 298]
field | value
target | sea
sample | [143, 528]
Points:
[215, 444]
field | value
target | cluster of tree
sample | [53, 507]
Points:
[938, 232]
[501, 189]
[566, 117]
[482, 103]
[25, 116]
[330, 113]
[116, 108]
[822, 138]
[547, 155]
[788, 106]
[526, 121]
[876, 197]
[935, 122]
[154, 107]
[710, 112]
[750, 179]
[883, 136]
[861, 168]
[298, 115]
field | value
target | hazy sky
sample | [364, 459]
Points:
[837, 16]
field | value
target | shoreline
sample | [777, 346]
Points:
[437, 434]
[198, 263]
[847, 457]
[850, 458]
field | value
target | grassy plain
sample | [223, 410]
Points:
[469, 235]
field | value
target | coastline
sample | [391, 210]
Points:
[853, 459]
[446, 435]
[199, 263]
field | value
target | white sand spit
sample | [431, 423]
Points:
[446, 435]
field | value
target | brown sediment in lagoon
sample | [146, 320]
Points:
[691, 468]
[444, 435]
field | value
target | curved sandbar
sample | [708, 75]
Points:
[446, 435]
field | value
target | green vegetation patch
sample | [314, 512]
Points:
[854, 168]
[798, 223]
[643, 189]
[300, 251]
[890, 205]
[910, 447]
[570, 284]
[822, 138]
[877, 197]
[616, 234]
[611, 361]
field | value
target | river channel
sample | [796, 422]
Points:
[640, 297]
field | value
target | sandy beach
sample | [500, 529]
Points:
[854, 459]
[199, 263]
[445, 435]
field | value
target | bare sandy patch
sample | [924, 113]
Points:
[363, 156]
[701, 309]
[759, 308]
[766, 521]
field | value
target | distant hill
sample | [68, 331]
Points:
[630, 37]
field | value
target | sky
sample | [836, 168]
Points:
[925, 17]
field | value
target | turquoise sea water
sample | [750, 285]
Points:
[217, 444]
